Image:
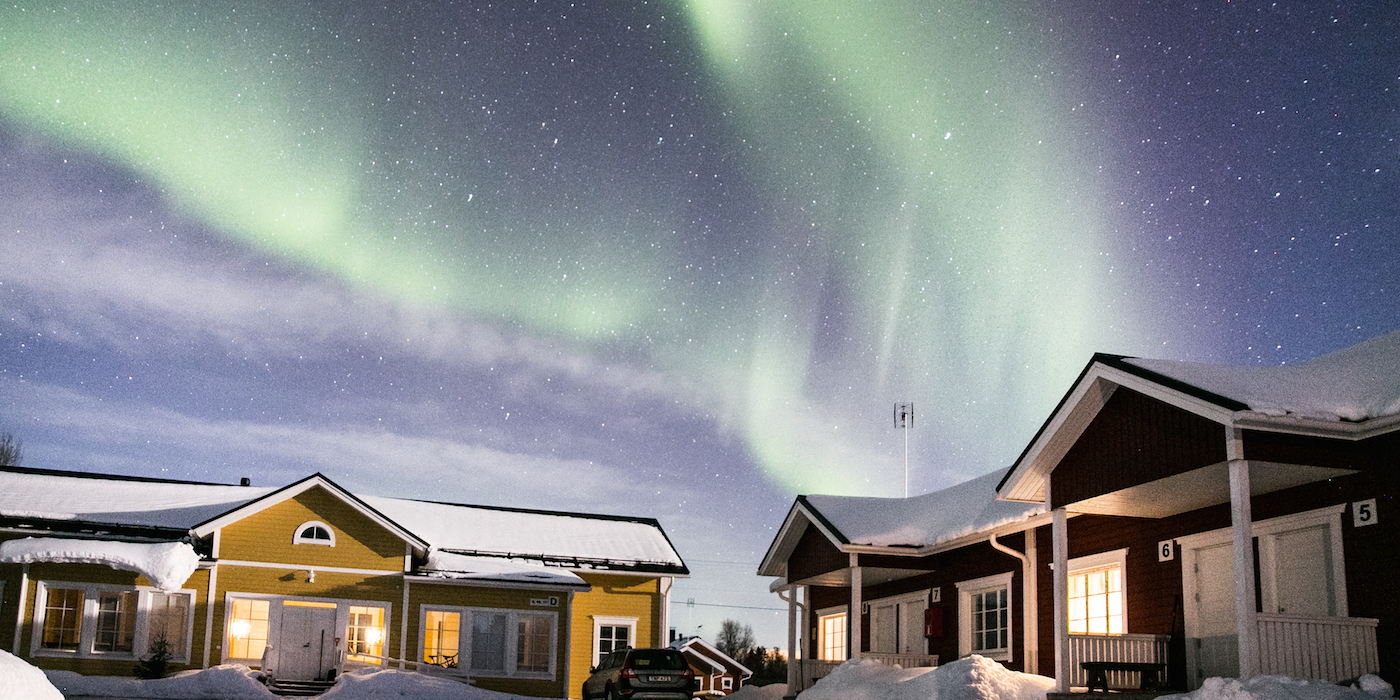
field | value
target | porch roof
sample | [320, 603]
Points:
[908, 527]
[1351, 394]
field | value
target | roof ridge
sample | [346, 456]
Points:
[108, 477]
[532, 511]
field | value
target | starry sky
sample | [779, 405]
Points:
[665, 259]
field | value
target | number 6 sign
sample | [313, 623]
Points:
[1166, 550]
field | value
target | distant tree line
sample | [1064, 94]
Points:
[737, 641]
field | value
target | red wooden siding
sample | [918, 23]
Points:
[1135, 440]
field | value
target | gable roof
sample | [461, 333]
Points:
[1349, 394]
[915, 526]
[711, 655]
[147, 509]
[294, 489]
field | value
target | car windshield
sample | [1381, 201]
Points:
[658, 659]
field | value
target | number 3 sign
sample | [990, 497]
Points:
[1364, 513]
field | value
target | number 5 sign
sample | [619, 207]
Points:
[1364, 513]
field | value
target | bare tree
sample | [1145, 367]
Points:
[734, 639]
[10, 452]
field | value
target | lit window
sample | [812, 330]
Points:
[1095, 598]
[366, 634]
[248, 629]
[314, 532]
[63, 618]
[440, 633]
[116, 621]
[832, 635]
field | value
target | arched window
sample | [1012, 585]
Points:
[314, 532]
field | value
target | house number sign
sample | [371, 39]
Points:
[552, 601]
[1364, 513]
[1166, 550]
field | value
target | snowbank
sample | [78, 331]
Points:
[973, 678]
[167, 564]
[462, 566]
[773, 691]
[407, 685]
[1285, 688]
[20, 681]
[217, 683]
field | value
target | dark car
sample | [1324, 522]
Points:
[641, 674]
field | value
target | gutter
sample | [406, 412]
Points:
[1029, 645]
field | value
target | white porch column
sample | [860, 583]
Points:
[1030, 607]
[1242, 533]
[854, 616]
[1059, 539]
[793, 666]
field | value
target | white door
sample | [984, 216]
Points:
[883, 628]
[1212, 646]
[911, 633]
[1301, 564]
[307, 643]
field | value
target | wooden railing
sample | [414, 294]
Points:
[1323, 648]
[812, 670]
[1150, 648]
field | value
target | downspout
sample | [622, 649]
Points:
[23, 600]
[662, 639]
[1027, 596]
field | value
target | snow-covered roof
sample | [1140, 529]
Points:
[921, 521]
[166, 564]
[907, 526]
[1352, 384]
[153, 509]
[569, 539]
[462, 567]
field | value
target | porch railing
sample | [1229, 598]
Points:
[1323, 648]
[812, 670]
[1150, 648]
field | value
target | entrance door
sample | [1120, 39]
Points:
[883, 628]
[1301, 586]
[307, 643]
[1212, 644]
[911, 626]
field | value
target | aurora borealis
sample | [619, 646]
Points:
[674, 260]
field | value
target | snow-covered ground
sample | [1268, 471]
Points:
[973, 678]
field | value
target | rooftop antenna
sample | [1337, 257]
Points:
[904, 418]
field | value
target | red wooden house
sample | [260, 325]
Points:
[1221, 521]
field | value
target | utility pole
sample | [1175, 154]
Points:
[904, 418]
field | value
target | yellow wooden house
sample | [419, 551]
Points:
[308, 581]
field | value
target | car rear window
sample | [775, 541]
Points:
[659, 659]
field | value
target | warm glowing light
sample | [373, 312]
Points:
[240, 629]
[374, 635]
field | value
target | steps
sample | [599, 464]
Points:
[298, 689]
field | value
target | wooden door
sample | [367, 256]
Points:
[307, 643]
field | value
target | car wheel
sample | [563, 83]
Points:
[612, 693]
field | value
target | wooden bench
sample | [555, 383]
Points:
[1152, 673]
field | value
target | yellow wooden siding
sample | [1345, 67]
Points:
[612, 596]
[444, 595]
[90, 573]
[267, 535]
[291, 583]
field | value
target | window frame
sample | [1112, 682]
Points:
[980, 586]
[299, 538]
[601, 621]
[465, 620]
[823, 615]
[88, 617]
[1102, 561]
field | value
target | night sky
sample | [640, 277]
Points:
[669, 259]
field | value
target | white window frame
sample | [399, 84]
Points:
[1104, 560]
[601, 621]
[87, 634]
[726, 683]
[274, 622]
[512, 641]
[826, 614]
[986, 584]
[297, 537]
